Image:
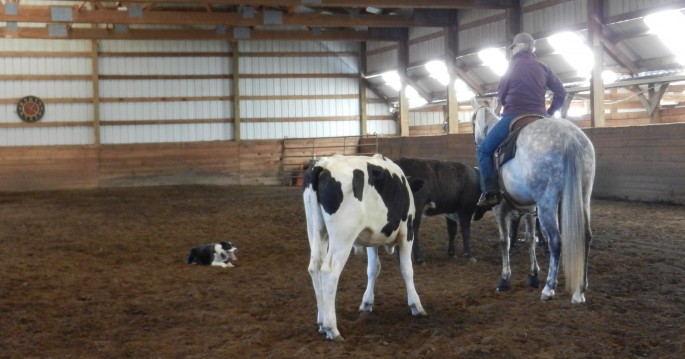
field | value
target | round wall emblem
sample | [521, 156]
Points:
[30, 109]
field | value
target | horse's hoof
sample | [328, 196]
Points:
[417, 310]
[333, 335]
[533, 281]
[472, 259]
[547, 294]
[578, 298]
[503, 286]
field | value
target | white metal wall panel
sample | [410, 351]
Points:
[482, 36]
[168, 110]
[381, 127]
[55, 111]
[166, 133]
[164, 65]
[135, 91]
[619, 7]
[46, 88]
[464, 17]
[298, 108]
[164, 88]
[383, 61]
[424, 118]
[268, 93]
[298, 46]
[164, 46]
[298, 65]
[554, 18]
[279, 130]
[45, 45]
[429, 49]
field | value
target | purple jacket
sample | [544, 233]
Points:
[523, 87]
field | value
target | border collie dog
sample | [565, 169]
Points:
[220, 254]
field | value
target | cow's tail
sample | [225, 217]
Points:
[310, 188]
[572, 218]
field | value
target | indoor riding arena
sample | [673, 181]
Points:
[134, 131]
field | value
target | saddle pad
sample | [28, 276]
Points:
[507, 149]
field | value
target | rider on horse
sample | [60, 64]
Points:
[521, 91]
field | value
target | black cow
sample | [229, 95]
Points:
[450, 188]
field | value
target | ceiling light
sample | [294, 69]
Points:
[438, 70]
[495, 59]
[464, 93]
[609, 76]
[574, 51]
[392, 79]
[669, 27]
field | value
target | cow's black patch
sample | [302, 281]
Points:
[393, 190]
[410, 229]
[309, 176]
[329, 191]
[358, 184]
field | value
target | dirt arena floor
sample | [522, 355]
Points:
[102, 274]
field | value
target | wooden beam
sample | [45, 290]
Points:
[42, 14]
[194, 34]
[383, 4]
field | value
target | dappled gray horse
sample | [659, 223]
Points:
[553, 169]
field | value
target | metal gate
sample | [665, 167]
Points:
[298, 153]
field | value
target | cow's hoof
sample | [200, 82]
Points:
[333, 335]
[533, 281]
[366, 307]
[547, 294]
[417, 310]
[451, 253]
[503, 286]
[471, 259]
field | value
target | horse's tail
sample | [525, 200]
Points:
[572, 218]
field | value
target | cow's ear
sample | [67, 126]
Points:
[415, 184]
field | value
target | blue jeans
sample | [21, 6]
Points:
[485, 150]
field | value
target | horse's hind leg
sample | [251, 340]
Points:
[588, 239]
[533, 279]
[550, 227]
[503, 214]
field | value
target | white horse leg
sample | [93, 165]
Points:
[580, 296]
[373, 268]
[339, 248]
[533, 279]
[408, 274]
[550, 227]
[502, 214]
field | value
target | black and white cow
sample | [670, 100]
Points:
[353, 201]
[450, 188]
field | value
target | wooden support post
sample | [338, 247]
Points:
[403, 62]
[451, 49]
[95, 79]
[362, 90]
[596, 82]
[235, 90]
